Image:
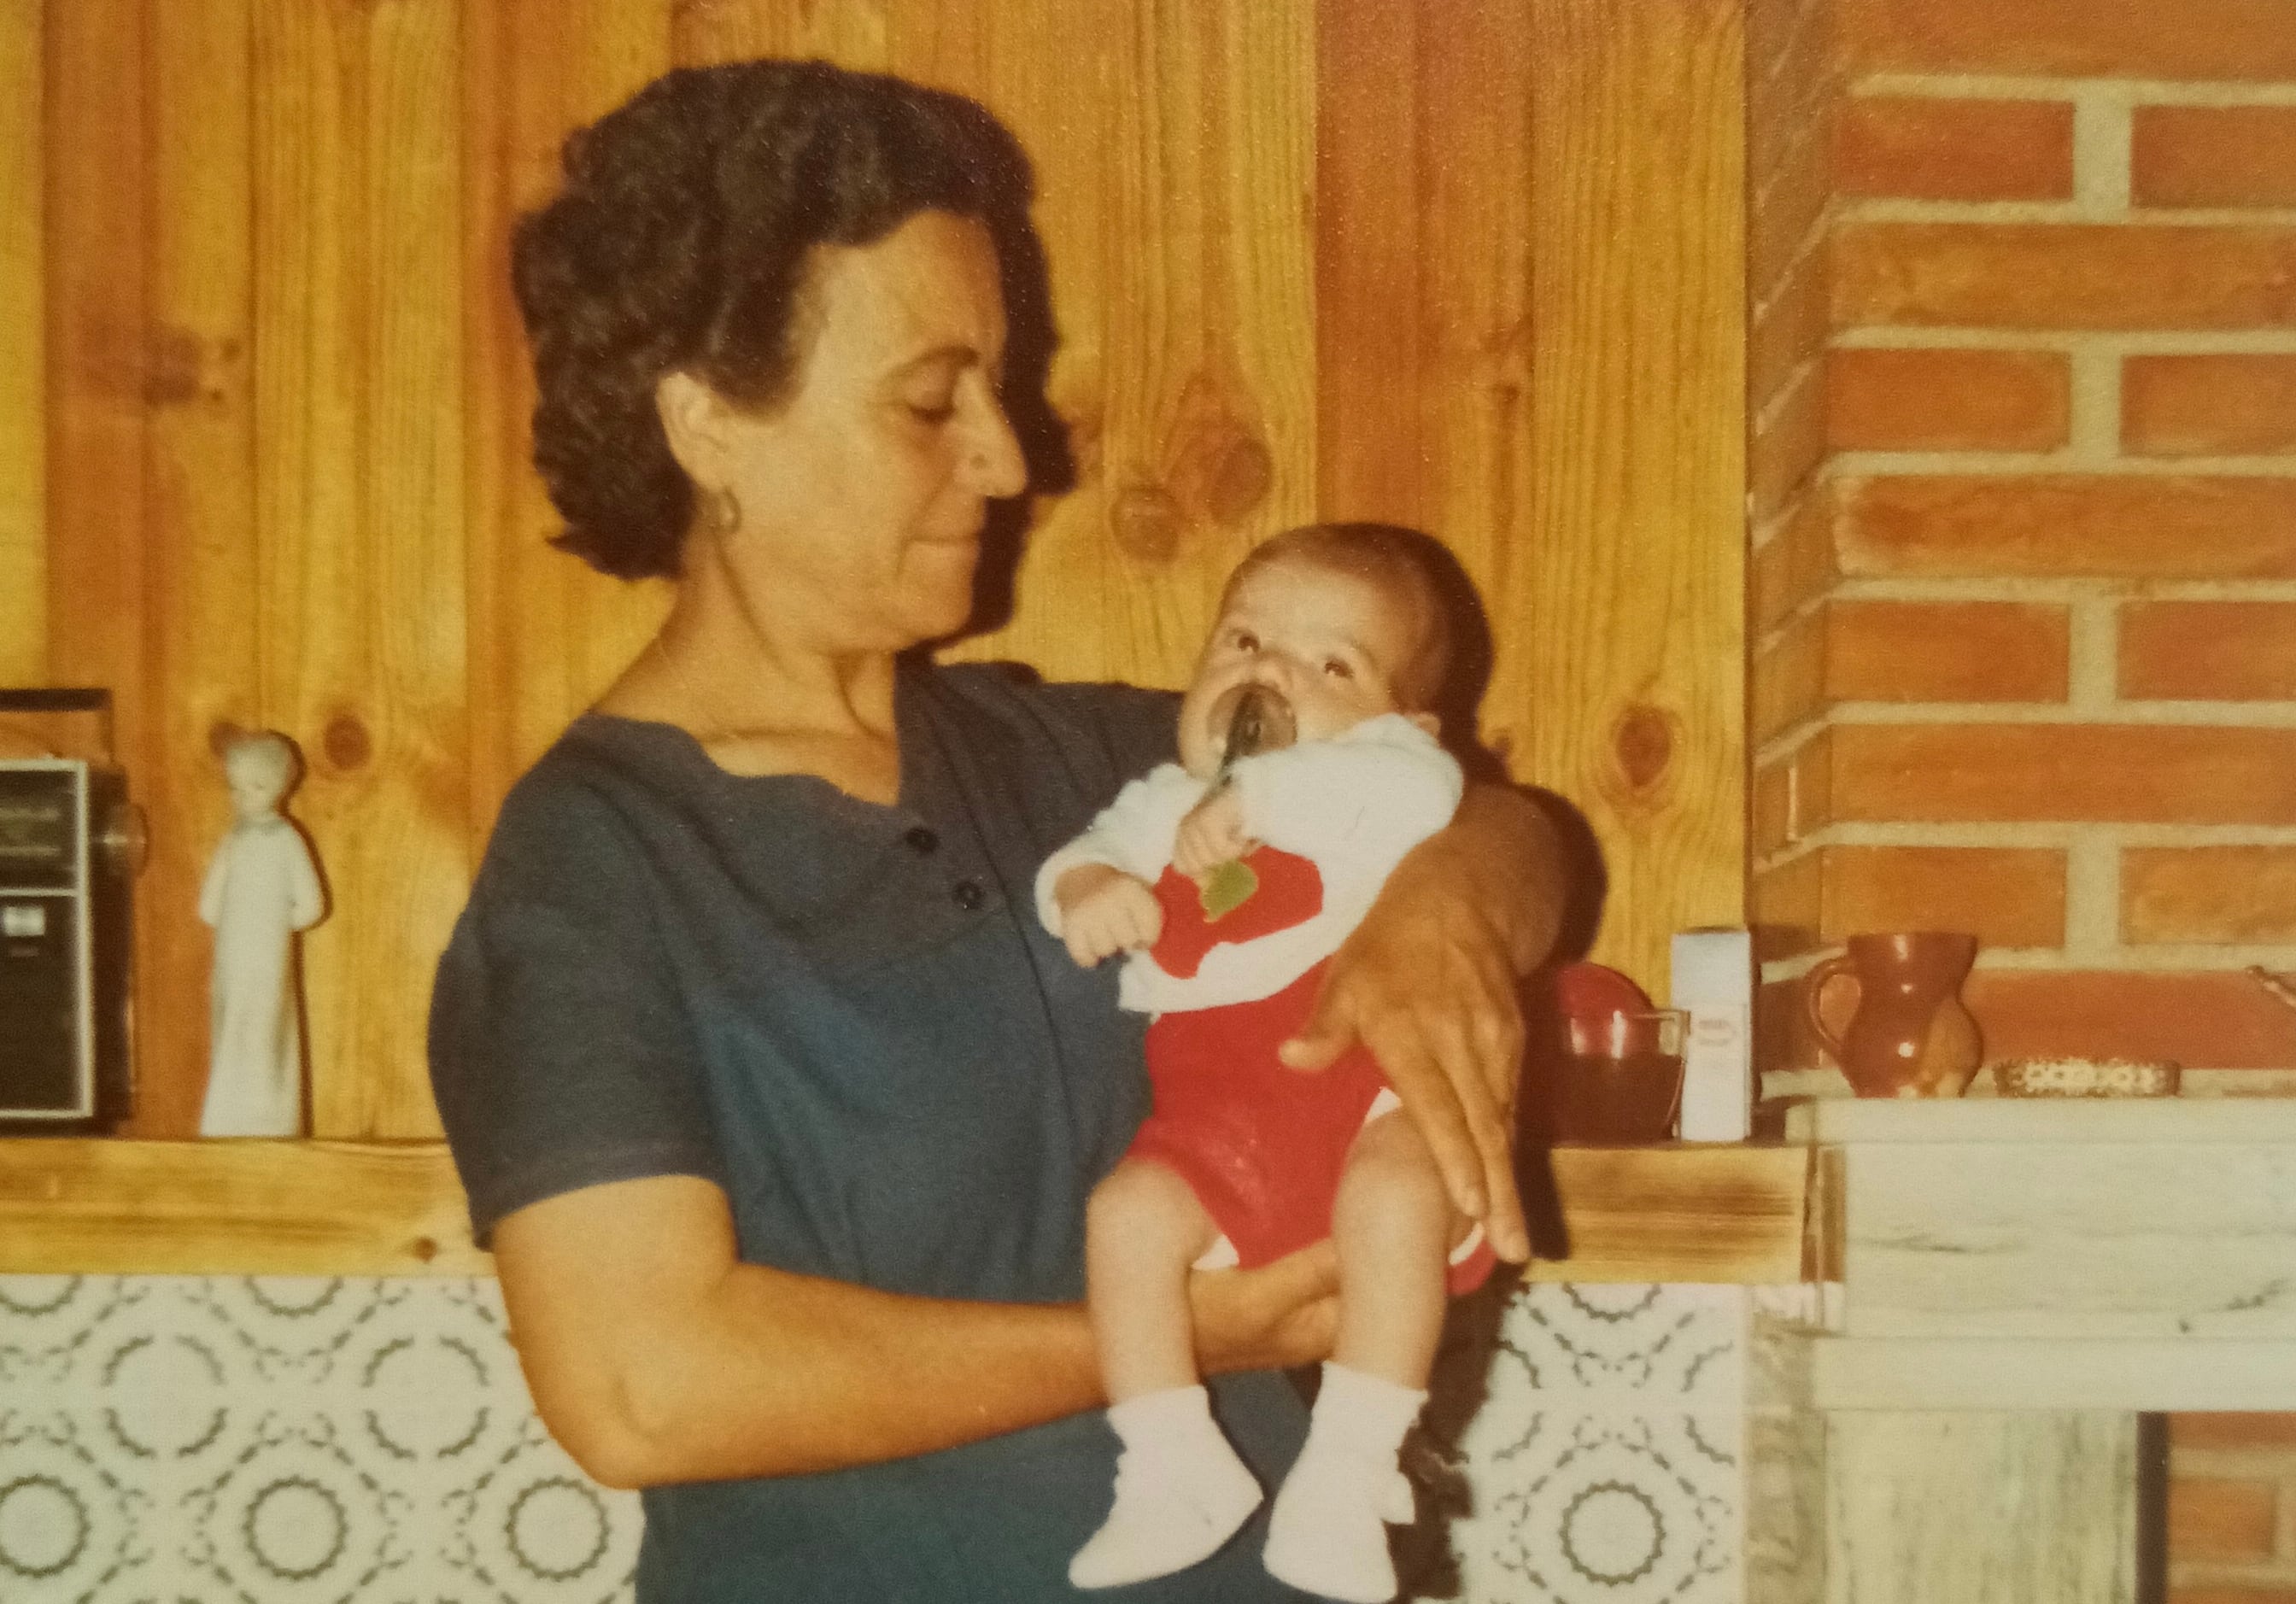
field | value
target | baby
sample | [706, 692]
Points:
[1231, 877]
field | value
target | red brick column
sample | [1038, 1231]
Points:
[2024, 504]
[2023, 495]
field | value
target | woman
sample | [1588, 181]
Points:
[777, 1106]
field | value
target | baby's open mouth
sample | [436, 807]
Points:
[1252, 718]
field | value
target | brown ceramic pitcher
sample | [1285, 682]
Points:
[1910, 1035]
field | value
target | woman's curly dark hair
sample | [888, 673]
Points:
[680, 241]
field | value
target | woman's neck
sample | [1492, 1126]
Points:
[761, 697]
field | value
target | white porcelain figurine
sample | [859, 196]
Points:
[261, 889]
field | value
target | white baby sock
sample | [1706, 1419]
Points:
[1327, 1533]
[1180, 1492]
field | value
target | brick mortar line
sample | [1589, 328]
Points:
[2152, 715]
[2047, 834]
[2093, 654]
[2058, 591]
[1811, 243]
[2093, 396]
[2122, 343]
[2139, 91]
[1813, 12]
[2058, 960]
[1800, 373]
[2103, 140]
[1895, 209]
[2016, 464]
[1814, 125]
[1787, 393]
[2181, 958]
[2092, 895]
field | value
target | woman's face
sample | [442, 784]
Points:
[864, 493]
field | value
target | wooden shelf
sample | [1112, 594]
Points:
[1674, 1213]
[104, 1206]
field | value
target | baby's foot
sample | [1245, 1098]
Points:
[1327, 1533]
[1171, 1511]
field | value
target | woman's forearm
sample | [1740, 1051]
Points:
[655, 1357]
[1501, 854]
[780, 1374]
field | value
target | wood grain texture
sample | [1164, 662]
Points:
[94, 147]
[233, 1208]
[1689, 1212]
[1472, 265]
[1638, 1214]
[854, 34]
[203, 603]
[1625, 689]
[546, 634]
[23, 377]
[359, 513]
[1425, 157]
[1184, 374]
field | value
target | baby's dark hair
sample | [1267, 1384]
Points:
[1404, 565]
[680, 240]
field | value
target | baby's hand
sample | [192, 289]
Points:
[1211, 834]
[1105, 911]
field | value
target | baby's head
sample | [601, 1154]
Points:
[1346, 621]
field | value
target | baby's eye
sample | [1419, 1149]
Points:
[1338, 669]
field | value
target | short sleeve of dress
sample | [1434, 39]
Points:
[558, 1053]
[1137, 729]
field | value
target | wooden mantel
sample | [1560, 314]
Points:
[1676, 1213]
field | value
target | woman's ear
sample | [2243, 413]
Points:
[694, 418]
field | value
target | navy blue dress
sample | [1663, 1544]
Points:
[846, 1017]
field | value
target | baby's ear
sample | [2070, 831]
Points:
[1429, 721]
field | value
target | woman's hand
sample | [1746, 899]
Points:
[1281, 1315]
[1428, 983]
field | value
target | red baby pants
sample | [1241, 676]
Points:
[1262, 1146]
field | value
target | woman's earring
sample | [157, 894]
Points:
[724, 512]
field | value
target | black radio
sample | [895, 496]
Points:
[69, 843]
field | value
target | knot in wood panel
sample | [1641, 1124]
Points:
[346, 743]
[1643, 741]
[1144, 522]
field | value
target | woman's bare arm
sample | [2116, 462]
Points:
[656, 1356]
[1428, 982]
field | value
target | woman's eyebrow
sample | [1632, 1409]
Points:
[954, 354]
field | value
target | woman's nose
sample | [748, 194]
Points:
[994, 461]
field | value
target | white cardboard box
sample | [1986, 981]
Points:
[1713, 982]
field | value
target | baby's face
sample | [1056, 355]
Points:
[1331, 643]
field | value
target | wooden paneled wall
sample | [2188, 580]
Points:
[1472, 265]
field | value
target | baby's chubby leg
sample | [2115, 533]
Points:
[1144, 1228]
[1394, 1226]
[1181, 1491]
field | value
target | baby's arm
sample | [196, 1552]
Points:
[1373, 793]
[1105, 911]
[1094, 893]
